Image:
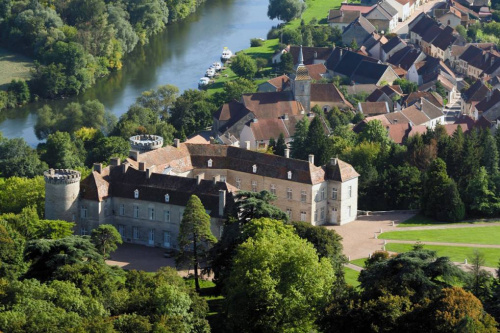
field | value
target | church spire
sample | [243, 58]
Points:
[301, 56]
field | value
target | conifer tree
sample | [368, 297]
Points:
[280, 145]
[490, 154]
[299, 139]
[317, 142]
[195, 237]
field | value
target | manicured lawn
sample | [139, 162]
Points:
[316, 9]
[420, 220]
[455, 253]
[218, 86]
[351, 276]
[359, 262]
[265, 51]
[479, 235]
[13, 66]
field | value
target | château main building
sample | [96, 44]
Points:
[144, 196]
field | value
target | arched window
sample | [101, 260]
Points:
[167, 197]
[289, 173]
[254, 168]
[209, 163]
[136, 194]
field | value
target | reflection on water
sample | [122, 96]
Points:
[179, 56]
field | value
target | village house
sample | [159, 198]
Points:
[383, 17]
[359, 30]
[489, 107]
[448, 16]
[406, 57]
[373, 45]
[392, 46]
[472, 96]
[392, 95]
[373, 108]
[144, 197]
[403, 8]
[341, 18]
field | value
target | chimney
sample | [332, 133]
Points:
[124, 167]
[311, 158]
[177, 143]
[115, 161]
[200, 177]
[333, 161]
[134, 154]
[222, 202]
[247, 145]
[287, 152]
[341, 51]
[142, 166]
[98, 167]
[216, 179]
[285, 116]
[149, 171]
[254, 120]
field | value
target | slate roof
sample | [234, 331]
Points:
[392, 43]
[265, 129]
[423, 25]
[445, 38]
[310, 54]
[349, 62]
[369, 72]
[342, 16]
[488, 103]
[476, 92]
[432, 111]
[431, 33]
[405, 57]
[231, 110]
[388, 8]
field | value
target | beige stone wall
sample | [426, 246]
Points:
[348, 201]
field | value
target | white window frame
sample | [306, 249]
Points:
[136, 212]
[289, 213]
[349, 191]
[254, 168]
[238, 183]
[122, 209]
[83, 231]
[210, 163]
[289, 175]
[349, 211]
[303, 196]
[303, 216]
[322, 195]
[334, 194]
[289, 193]
[167, 197]
[83, 212]
[315, 215]
[273, 189]
[151, 213]
[136, 194]
[166, 216]
[135, 233]
[254, 186]
[322, 213]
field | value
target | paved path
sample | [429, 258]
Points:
[451, 226]
[442, 243]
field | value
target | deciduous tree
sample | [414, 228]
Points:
[106, 239]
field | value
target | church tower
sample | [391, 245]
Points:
[302, 83]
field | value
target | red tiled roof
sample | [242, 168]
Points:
[315, 71]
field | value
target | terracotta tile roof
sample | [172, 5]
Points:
[231, 110]
[432, 111]
[416, 116]
[451, 128]
[95, 186]
[280, 82]
[382, 118]
[342, 16]
[316, 70]
[361, 9]
[397, 118]
[398, 132]
[373, 108]
[399, 71]
[327, 93]
[403, 2]
[271, 128]
[431, 96]
[272, 104]
[417, 129]
[200, 138]
[375, 95]
[390, 90]
[341, 171]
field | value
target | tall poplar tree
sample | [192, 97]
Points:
[195, 237]
[280, 145]
[299, 139]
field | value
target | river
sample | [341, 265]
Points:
[179, 56]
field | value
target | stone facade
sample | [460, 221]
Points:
[145, 196]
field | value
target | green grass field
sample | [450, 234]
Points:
[358, 262]
[316, 9]
[351, 276]
[13, 66]
[420, 220]
[265, 51]
[455, 253]
[480, 235]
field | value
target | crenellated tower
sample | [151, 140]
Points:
[145, 142]
[62, 187]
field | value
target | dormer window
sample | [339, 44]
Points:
[289, 174]
[209, 163]
[254, 168]
[167, 197]
[136, 194]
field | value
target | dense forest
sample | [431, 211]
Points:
[75, 42]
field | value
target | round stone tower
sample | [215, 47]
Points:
[62, 187]
[145, 142]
